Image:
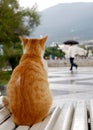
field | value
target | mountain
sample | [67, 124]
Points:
[67, 21]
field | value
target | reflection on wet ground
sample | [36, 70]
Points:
[72, 81]
[70, 85]
[62, 92]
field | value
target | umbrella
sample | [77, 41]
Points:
[71, 42]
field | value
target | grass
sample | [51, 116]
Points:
[4, 77]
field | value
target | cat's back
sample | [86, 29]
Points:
[28, 71]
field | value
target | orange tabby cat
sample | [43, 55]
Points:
[28, 91]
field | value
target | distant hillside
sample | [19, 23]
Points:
[67, 21]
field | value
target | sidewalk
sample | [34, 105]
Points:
[71, 86]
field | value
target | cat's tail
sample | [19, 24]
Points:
[5, 101]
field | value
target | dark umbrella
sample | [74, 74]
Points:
[71, 42]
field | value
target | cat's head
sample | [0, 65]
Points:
[33, 46]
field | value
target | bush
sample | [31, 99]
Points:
[54, 52]
[4, 77]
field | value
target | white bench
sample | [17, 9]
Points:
[68, 117]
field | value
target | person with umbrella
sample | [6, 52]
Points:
[72, 53]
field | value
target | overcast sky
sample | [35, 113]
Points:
[43, 4]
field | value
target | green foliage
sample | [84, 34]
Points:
[4, 77]
[82, 46]
[54, 52]
[12, 55]
[15, 21]
[92, 49]
[2, 61]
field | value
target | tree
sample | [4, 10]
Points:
[15, 21]
[54, 52]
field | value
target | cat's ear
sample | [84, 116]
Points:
[24, 40]
[43, 40]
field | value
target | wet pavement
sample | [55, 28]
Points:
[69, 86]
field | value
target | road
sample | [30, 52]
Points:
[67, 86]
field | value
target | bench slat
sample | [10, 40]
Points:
[53, 119]
[91, 113]
[22, 128]
[49, 121]
[8, 125]
[65, 118]
[58, 118]
[38, 126]
[1, 103]
[44, 123]
[80, 117]
[4, 114]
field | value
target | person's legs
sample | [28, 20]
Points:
[74, 64]
[71, 62]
